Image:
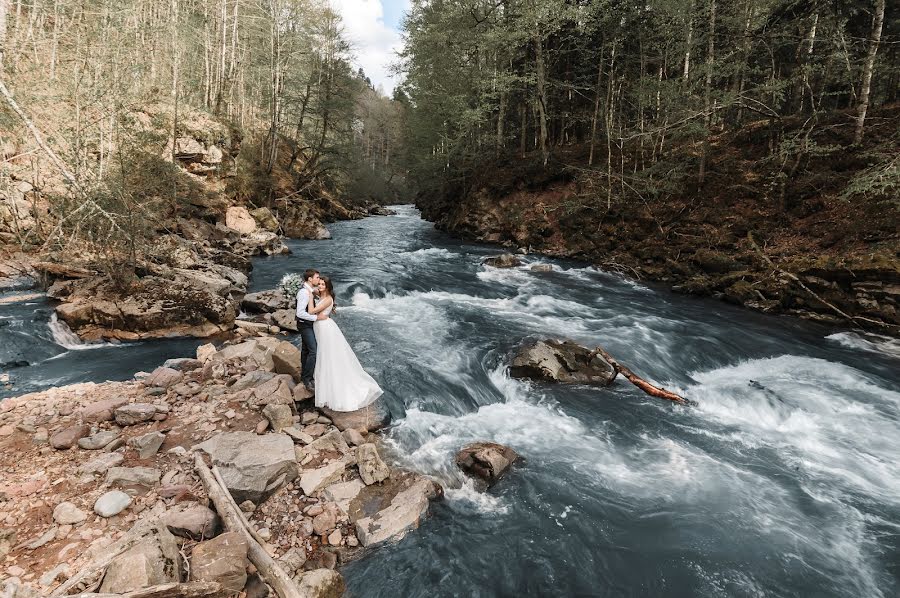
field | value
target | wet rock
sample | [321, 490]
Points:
[321, 583]
[505, 260]
[99, 440]
[286, 358]
[68, 437]
[371, 468]
[67, 513]
[112, 503]
[164, 377]
[486, 461]
[370, 418]
[154, 560]
[561, 361]
[279, 416]
[134, 413]
[100, 411]
[387, 511]
[193, 521]
[138, 479]
[147, 445]
[222, 559]
[101, 463]
[541, 268]
[252, 466]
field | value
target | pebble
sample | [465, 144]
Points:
[335, 538]
[112, 503]
[67, 513]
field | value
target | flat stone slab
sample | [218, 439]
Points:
[387, 511]
[370, 418]
[315, 480]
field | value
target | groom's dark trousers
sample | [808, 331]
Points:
[307, 351]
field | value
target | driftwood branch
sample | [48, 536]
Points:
[650, 389]
[193, 589]
[268, 568]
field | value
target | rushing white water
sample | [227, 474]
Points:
[64, 337]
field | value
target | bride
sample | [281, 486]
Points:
[341, 382]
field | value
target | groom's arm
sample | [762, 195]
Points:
[302, 300]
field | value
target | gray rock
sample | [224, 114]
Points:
[558, 361]
[101, 463]
[541, 268]
[134, 413]
[324, 522]
[265, 301]
[298, 435]
[112, 503]
[286, 319]
[279, 416]
[315, 480]
[387, 511]
[183, 364]
[50, 577]
[147, 445]
[321, 583]
[100, 411]
[371, 468]
[277, 391]
[370, 418]
[251, 379]
[343, 493]
[67, 513]
[333, 442]
[194, 521]
[286, 358]
[152, 561]
[99, 440]
[44, 539]
[222, 559]
[486, 461]
[164, 377]
[293, 560]
[68, 437]
[252, 466]
[504, 260]
[353, 437]
[138, 479]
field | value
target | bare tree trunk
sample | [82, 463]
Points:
[596, 105]
[707, 89]
[542, 94]
[690, 39]
[4, 10]
[866, 86]
[173, 29]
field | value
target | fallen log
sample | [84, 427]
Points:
[230, 513]
[650, 389]
[192, 589]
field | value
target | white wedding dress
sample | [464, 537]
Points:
[341, 382]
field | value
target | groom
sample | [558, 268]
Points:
[305, 321]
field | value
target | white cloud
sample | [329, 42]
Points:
[374, 43]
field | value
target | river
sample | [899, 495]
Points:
[782, 481]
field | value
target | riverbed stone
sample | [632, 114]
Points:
[387, 511]
[101, 463]
[97, 441]
[286, 358]
[148, 444]
[152, 561]
[100, 411]
[279, 416]
[321, 583]
[222, 559]
[286, 319]
[371, 468]
[135, 413]
[137, 479]
[504, 260]
[314, 480]
[66, 513]
[112, 503]
[164, 377]
[561, 361]
[252, 466]
[192, 520]
[68, 437]
[486, 461]
[370, 418]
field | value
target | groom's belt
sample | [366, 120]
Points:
[304, 323]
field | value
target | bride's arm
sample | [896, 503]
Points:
[321, 306]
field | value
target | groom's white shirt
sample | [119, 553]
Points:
[303, 301]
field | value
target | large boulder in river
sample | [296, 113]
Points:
[252, 466]
[504, 260]
[561, 361]
[486, 461]
[386, 511]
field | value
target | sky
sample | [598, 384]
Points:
[373, 27]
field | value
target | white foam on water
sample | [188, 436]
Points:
[874, 343]
[64, 337]
[423, 255]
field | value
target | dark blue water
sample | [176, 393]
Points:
[783, 481]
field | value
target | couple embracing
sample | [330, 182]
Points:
[330, 367]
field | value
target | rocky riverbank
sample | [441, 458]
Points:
[100, 486]
[819, 253]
